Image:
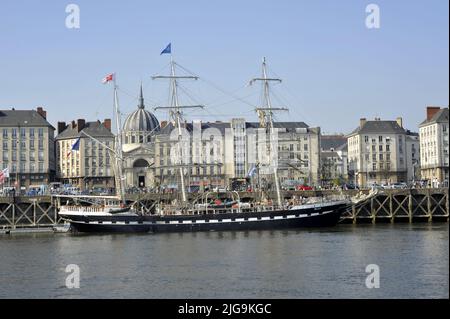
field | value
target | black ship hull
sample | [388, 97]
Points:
[324, 215]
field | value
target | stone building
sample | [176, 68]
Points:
[333, 159]
[434, 155]
[214, 152]
[379, 152]
[139, 130]
[27, 140]
[92, 164]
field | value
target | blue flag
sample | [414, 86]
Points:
[168, 49]
[252, 171]
[76, 145]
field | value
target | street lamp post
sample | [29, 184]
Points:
[415, 162]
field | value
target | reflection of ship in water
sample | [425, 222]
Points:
[206, 212]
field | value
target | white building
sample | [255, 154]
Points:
[215, 152]
[434, 160]
[92, 164]
[333, 158]
[381, 152]
[27, 140]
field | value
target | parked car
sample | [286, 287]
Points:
[55, 188]
[304, 188]
[193, 189]
[375, 186]
[399, 186]
[72, 191]
[8, 191]
[101, 191]
[349, 186]
[37, 190]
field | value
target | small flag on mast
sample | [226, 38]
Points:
[167, 50]
[252, 171]
[4, 174]
[108, 78]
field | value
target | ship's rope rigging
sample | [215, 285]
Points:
[215, 106]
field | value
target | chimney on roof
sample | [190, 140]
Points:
[81, 123]
[61, 127]
[42, 112]
[107, 124]
[362, 121]
[431, 110]
[399, 121]
[73, 124]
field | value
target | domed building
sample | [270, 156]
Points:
[140, 124]
[138, 134]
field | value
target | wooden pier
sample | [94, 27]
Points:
[424, 205]
[408, 205]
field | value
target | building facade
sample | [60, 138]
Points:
[139, 130]
[333, 159]
[412, 157]
[299, 152]
[434, 156]
[27, 140]
[92, 164]
[214, 153]
[378, 152]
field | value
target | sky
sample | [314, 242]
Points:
[335, 70]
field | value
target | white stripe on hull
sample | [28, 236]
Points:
[202, 221]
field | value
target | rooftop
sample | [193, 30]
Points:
[333, 142]
[94, 129]
[379, 126]
[440, 116]
[25, 118]
[221, 126]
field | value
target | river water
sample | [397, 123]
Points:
[413, 262]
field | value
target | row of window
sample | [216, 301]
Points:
[194, 171]
[23, 168]
[380, 139]
[137, 139]
[291, 147]
[87, 163]
[23, 132]
[381, 157]
[88, 172]
[431, 130]
[23, 156]
[23, 145]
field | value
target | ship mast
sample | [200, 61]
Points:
[265, 114]
[175, 111]
[118, 152]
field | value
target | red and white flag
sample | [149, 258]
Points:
[4, 174]
[108, 78]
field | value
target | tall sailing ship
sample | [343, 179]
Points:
[113, 215]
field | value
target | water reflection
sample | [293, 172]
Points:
[317, 263]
